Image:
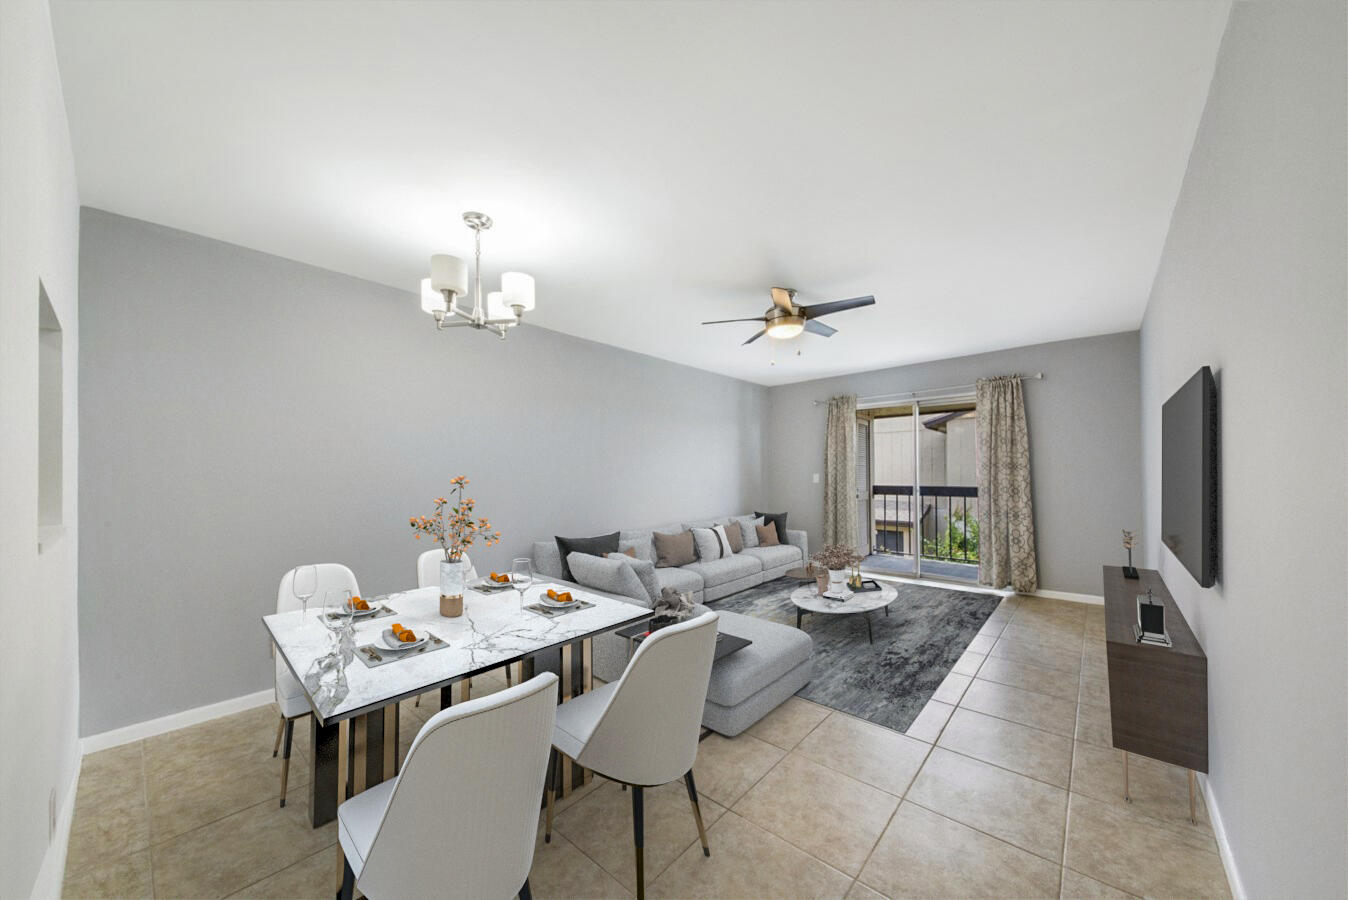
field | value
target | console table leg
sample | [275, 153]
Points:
[1125, 778]
[1193, 808]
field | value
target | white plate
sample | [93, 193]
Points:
[392, 643]
[547, 601]
[360, 613]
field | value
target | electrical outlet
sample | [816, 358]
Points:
[51, 815]
[816, 478]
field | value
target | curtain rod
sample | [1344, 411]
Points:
[1037, 376]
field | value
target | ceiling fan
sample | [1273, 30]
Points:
[786, 320]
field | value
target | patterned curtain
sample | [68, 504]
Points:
[1005, 510]
[840, 472]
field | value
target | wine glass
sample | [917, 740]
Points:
[522, 575]
[337, 611]
[304, 585]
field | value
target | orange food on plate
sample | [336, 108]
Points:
[397, 629]
[357, 603]
[563, 597]
[500, 579]
[406, 635]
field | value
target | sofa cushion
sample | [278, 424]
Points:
[776, 650]
[597, 546]
[679, 579]
[674, 549]
[645, 570]
[548, 559]
[747, 525]
[774, 557]
[719, 571]
[639, 541]
[610, 575]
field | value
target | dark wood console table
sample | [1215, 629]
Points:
[1158, 696]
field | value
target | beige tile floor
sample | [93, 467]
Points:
[1005, 786]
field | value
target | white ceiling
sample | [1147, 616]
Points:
[996, 174]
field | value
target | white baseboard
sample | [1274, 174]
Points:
[1093, 599]
[1223, 847]
[51, 876]
[173, 722]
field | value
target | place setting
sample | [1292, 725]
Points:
[395, 643]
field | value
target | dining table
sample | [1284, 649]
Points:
[354, 731]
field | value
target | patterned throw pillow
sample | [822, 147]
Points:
[708, 543]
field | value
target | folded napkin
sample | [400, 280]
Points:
[499, 579]
[403, 634]
[563, 597]
[359, 604]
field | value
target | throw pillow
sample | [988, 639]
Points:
[638, 547]
[747, 525]
[674, 549]
[724, 537]
[778, 519]
[767, 535]
[609, 575]
[708, 544]
[629, 551]
[645, 570]
[595, 546]
[735, 535]
[675, 604]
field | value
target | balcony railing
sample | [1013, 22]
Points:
[946, 526]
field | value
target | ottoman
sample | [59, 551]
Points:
[750, 683]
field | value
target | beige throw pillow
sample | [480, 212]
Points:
[735, 537]
[674, 549]
[767, 535]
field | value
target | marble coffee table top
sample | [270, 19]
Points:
[808, 598]
[492, 631]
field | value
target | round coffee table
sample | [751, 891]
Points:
[808, 599]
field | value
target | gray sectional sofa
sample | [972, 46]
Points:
[747, 684]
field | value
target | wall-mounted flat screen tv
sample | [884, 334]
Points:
[1189, 450]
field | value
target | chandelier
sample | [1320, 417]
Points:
[503, 309]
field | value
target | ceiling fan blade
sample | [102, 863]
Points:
[781, 298]
[822, 309]
[755, 337]
[724, 321]
[819, 328]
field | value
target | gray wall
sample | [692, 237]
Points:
[1252, 282]
[1083, 421]
[243, 413]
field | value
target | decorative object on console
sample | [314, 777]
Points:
[599, 545]
[1129, 571]
[440, 293]
[673, 550]
[767, 535]
[454, 529]
[1150, 625]
[677, 605]
[777, 519]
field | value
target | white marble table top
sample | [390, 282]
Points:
[808, 598]
[492, 631]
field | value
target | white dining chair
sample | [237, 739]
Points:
[461, 818]
[642, 730]
[290, 699]
[428, 568]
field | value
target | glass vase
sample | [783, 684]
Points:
[452, 578]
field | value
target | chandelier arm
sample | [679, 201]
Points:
[478, 315]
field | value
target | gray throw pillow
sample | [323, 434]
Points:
[708, 544]
[609, 575]
[747, 526]
[640, 547]
[645, 570]
[674, 549]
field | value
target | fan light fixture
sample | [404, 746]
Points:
[786, 327]
[503, 310]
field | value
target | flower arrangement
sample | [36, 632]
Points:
[837, 556]
[453, 526]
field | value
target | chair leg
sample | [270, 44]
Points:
[525, 893]
[280, 727]
[348, 882]
[551, 789]
[418, 703]
[639, 838]
[285, 758]
[508, 684]
[697, 811]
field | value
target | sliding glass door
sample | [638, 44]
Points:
[917, 491]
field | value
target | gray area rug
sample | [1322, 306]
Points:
[888, 682]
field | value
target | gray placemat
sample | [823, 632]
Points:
[548, 612]
[383, 612]
[385, 655]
